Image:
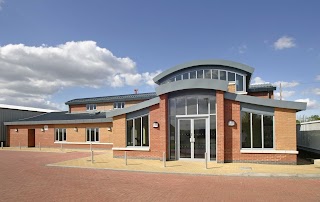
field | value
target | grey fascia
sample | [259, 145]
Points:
[227, 63]
[266, 102]
[102, 120]
[213, 84]
[136, 107]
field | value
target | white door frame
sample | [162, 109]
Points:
[207, 135]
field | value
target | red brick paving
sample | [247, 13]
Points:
[24, 177]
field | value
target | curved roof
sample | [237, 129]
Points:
[226, 63]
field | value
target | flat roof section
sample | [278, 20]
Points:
[15, 107]
[63, 118]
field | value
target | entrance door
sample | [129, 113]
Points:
[31, 137]
[192, 136]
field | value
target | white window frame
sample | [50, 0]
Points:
[262, 133]
[91, 107]
[133, 128]
[117, 104]
[56, 137]
[95, 131]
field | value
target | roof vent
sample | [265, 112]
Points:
[136, 91]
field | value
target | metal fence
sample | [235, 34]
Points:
[308, 136]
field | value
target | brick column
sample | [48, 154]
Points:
[220, 126]
[163, 122]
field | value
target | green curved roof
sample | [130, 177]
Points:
[226, 63]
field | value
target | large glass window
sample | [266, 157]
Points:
[93, 135]
[268, 131]
[60, 135]
[138, 131]
[129, 133]
[246, 130]
[257, 131]
[181, 106]
[203, 106]
[192, 105]
[185, 76]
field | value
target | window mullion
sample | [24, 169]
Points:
[134, 131]
[262, 133]
[141, 132]
[251, 130]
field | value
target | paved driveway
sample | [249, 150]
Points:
[24, 177]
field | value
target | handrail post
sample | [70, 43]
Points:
[164, 159]
[92, 156]
[206, 159]
[125, 158]
[1, 145]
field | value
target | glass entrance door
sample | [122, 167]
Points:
[192, 135]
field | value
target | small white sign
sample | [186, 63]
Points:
[45, 127]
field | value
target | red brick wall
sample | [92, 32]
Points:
[46, 138]
[233, 134]
[220, 126]
[158, 136]
[268, 95]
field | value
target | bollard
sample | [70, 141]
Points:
[90, 146]
[39, 146]
[206, 159]
[125, 158]
[1, 145]
[164, 159]
[92, 156]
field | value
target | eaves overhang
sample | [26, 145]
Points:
[136, 107]
[226, 63]
[298, 106]
[211, 84]
[48, 122]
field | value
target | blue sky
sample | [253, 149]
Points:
[71, 49]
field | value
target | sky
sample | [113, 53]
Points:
[52, 51]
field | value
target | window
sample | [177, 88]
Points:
[185, 76]
[93, 135]
[257, 131]
[215, 74]
[193, 75]
[207, 74]
[178, 78]
[231, 76]
[223, 75]
[60, 135]
[118, 105]
[91, 107]
[239, 83]
[138, 131]
[200, 74]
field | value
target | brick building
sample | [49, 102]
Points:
[199, 108]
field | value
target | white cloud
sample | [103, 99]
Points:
[311, 104]
[318, 77]
[285, 84]
[258, 80]
[1, 4]
[242, 49]
[285, 94]
[316, 91]
[30, 75]
[284, 42]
